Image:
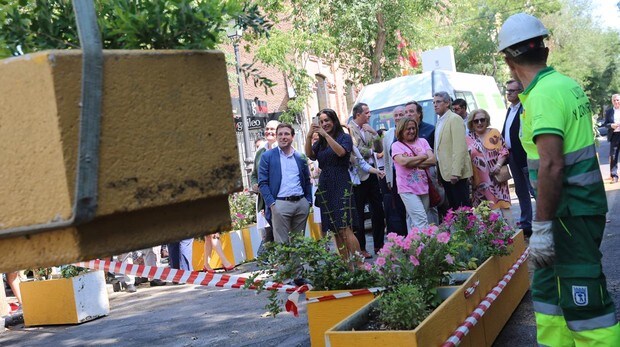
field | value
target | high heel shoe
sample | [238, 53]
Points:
[204, 269]
[228, 268]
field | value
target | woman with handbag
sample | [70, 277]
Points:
[489, 157]
[412, 157]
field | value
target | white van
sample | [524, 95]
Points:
[479, 91]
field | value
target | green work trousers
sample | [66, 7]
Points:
[571, 302]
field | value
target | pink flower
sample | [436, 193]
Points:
[385, 251]
[428, 231]
[443, 237]
[406, 244]
[419, 250]
[367, 266]
[498, 242]
[493, 217]
[449, 259]
[413, 236]
[392, 236]
[380, 261]
[449, 218]
[414, 260]
[240, 215]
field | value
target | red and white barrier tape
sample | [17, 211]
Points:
[455, 339]
[343, 295]
[208, 279]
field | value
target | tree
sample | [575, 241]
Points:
[357, 35]
[584, 51]
[32, 25]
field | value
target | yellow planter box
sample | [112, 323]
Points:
[437, 327]
[433, 331]
[498, 314]
[323, 315]
[66, 300]
[232, 245]
[242, 245]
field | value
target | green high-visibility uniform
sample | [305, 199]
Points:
[571, 302]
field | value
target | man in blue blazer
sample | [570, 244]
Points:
[517, 159]
[284, 182]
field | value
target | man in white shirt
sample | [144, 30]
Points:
[284, 182]
[517, 160]
[612, 121]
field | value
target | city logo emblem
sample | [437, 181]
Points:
[580, 295]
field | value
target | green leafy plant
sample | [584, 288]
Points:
[68, 271]
[40, 273]
[242, 209]
[403, 308]
[310, 260]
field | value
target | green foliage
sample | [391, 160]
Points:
[585, 52]
[242, 209]
[311, 260]
[33, 25]
[68, 271]
[403, 308]
[41, 273]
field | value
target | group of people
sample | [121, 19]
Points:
[391, 172]
[546, 143]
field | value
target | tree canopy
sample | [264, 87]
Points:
[370, 39]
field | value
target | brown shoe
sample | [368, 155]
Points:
[366, 255]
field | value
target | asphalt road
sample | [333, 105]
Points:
[188, 315]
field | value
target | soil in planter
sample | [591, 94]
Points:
[372, 323]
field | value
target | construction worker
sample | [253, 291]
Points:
[571, 302]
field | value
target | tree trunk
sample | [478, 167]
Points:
[375, 68]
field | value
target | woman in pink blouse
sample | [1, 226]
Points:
[412, 155]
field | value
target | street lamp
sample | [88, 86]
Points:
[234, 32]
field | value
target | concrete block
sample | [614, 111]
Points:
[168, 152]
[65, 300]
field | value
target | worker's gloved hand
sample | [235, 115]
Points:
[542, 251]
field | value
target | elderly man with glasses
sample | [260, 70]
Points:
[451, 151]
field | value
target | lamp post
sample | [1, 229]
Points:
[234, 32]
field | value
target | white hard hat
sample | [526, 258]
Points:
[519, 28]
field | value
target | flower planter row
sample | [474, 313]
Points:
[442, 322]
[241, 245]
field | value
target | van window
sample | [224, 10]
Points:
[384, 118]
[469, 97]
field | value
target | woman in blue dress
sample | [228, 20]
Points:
[334, 195]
